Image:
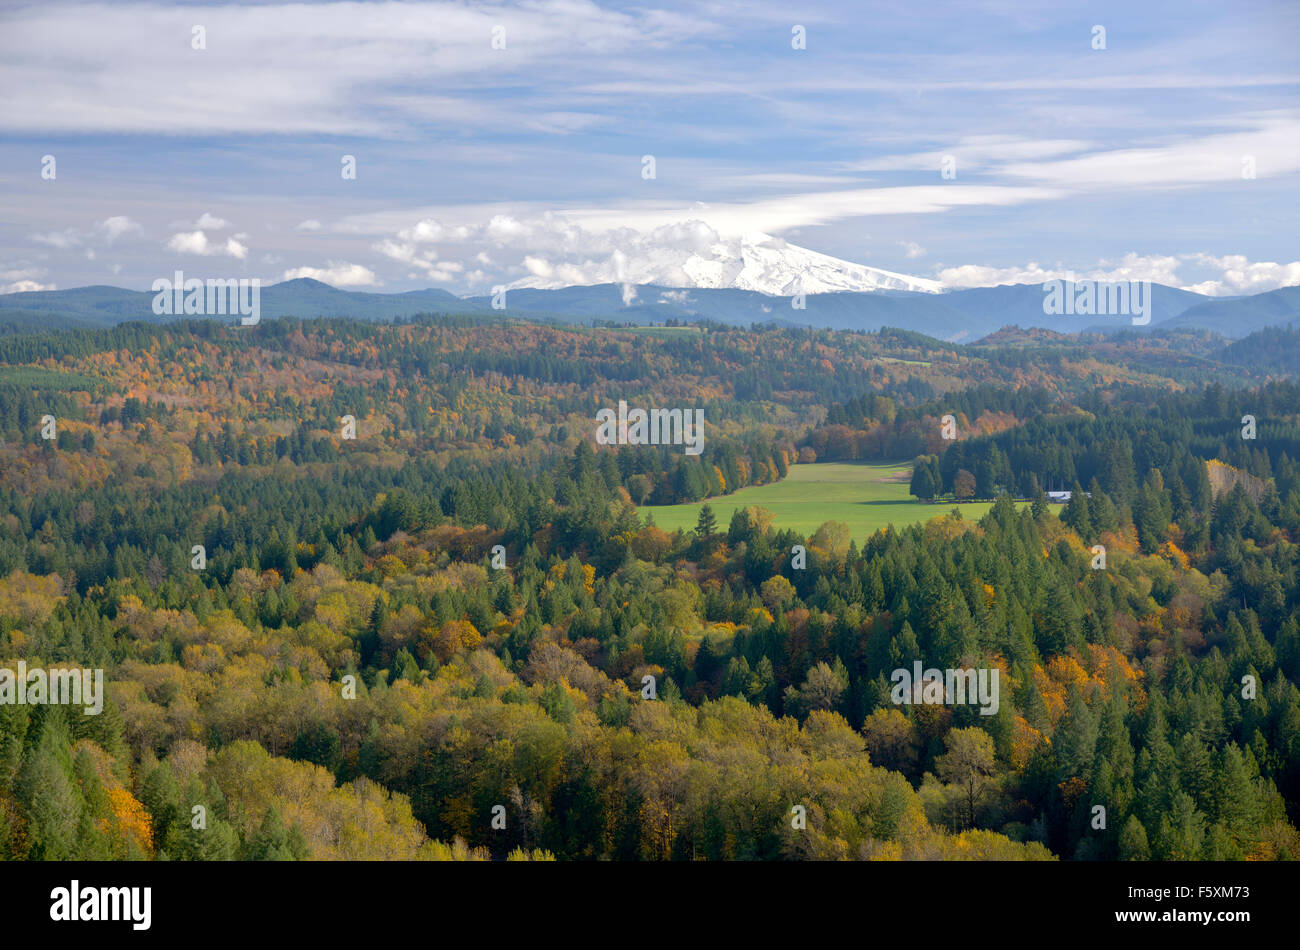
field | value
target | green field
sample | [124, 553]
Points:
[865, 496]
[37, 377]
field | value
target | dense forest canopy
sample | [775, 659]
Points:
[460, 635]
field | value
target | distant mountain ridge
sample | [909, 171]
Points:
[956, 316]
[1275, 308]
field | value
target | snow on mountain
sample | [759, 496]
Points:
[757, 262]
[772, 266]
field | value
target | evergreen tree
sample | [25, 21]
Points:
[1133, 841]
[706, 526]
[1077, 515]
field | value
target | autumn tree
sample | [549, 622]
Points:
[968, 763]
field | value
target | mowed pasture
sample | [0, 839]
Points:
[866, 496]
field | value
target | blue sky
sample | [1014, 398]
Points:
[479, 166]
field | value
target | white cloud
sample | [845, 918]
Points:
[538, 266]
[562, 123]
[276, 80]
[444, 273]
[1240, 276]
[553, 250]
[972, 153]
[1234, 274]
[408, 247]
[776, 215]
[1160, 268]
[1073, 165]
[657, 237]
[574, 255]
[1271, 144]
[25, 286]
[337, 275]
[113, 228]
[19, 272]
[63, 240]
[196, 242]
[425, 259]
[913, 249]
[103, 233]
[689, 80]
[429, 231]
[680, 297]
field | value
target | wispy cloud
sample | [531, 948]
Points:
[481, 162]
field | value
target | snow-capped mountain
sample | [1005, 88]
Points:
[771, 265]
[757, 262]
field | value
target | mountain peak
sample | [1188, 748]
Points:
[757, 262]
[774, 266]
[304, 283]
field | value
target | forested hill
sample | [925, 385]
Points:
[377, 646]
[964, 314]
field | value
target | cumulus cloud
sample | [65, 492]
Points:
[336, 274]
[424, 259]
[1233, 274]
[411, 246]
[197, 242]
[311, 224]
[211, 222]
[538, 266]
[1240, 276]
[25, 286]
[552, 250]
